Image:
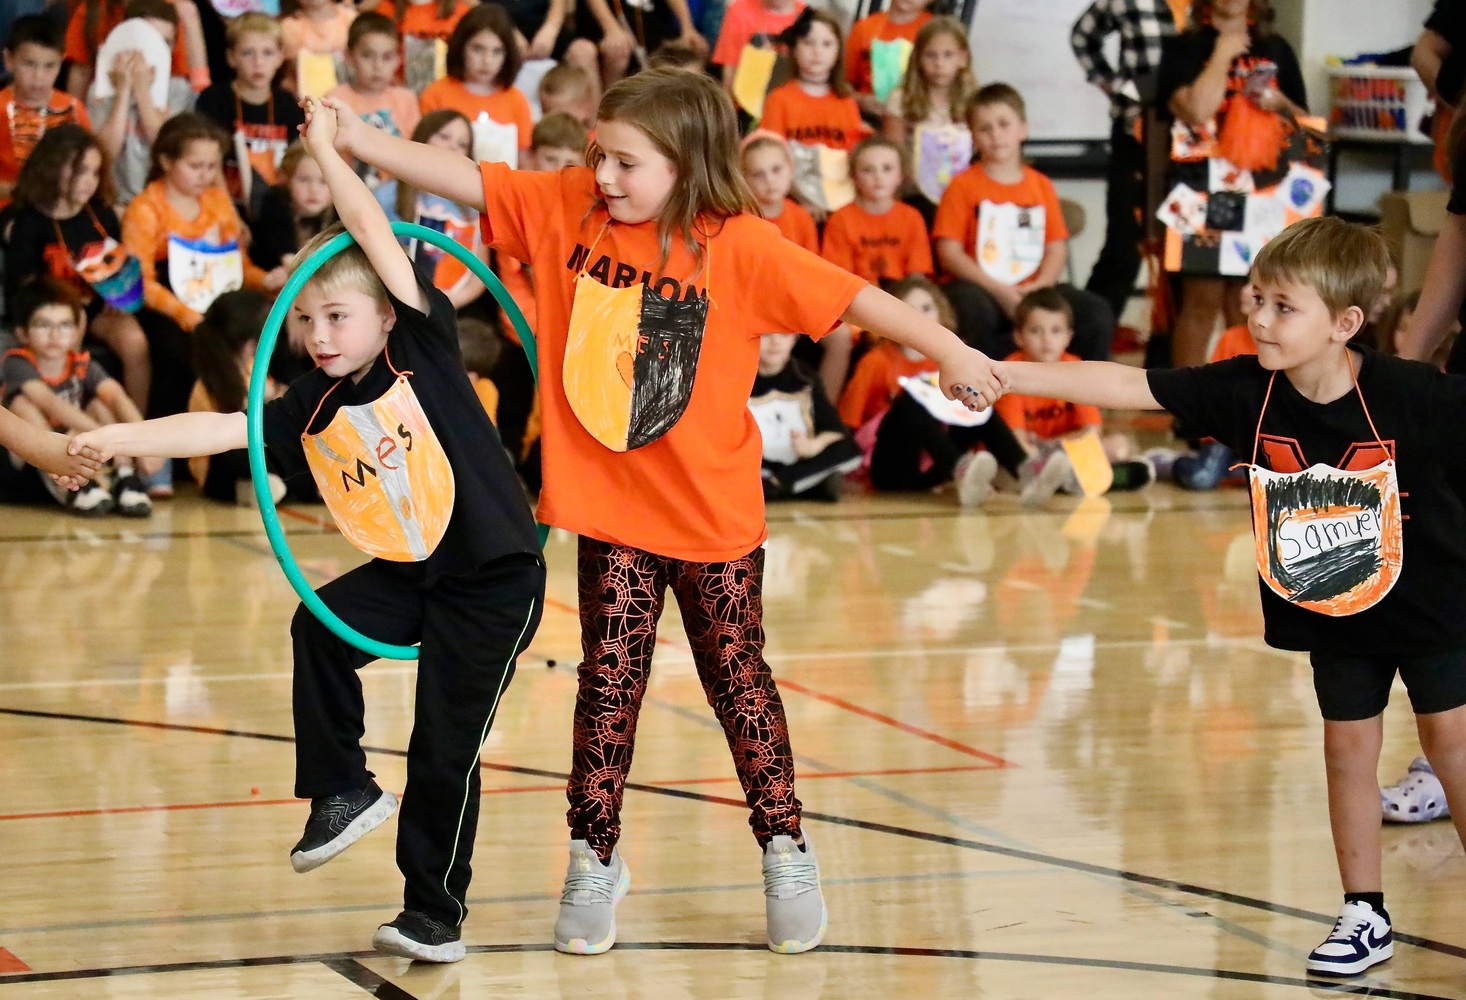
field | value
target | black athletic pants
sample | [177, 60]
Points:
[471, 629]
[1113, 277]
[908, 431]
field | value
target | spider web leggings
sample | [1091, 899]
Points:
[621, 598]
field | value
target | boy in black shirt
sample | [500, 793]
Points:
[1365, 588]
[414, 474]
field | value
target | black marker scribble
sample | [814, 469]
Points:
[1336, 569]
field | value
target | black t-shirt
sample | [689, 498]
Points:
[268, 130]
[1448, 20]
[32, 251]
[797, 385]
[1417, 410]
[1184, 56]
[491, 517]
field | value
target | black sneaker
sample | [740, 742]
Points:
[1132, 475]
[338, 821]
[1361, 937]
[419, 937]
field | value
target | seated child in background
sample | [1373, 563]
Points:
[128, 122]
[483, 60]
[253, 112]
[899, 22]
[769, 169]
[877, 237]
[935, 93]
[1044, 329]
[224, 357]
[320, 26]
[422, 23]
[32, 104]
[1209, 465]
[907, 447]
[53, 385]
[677, 55]
[806, 447]
[569, 88]
[1000, 234]
[750, 23]
[291, 214]
[373, 56]
[93, 20]
[480, 347]
[558, 140]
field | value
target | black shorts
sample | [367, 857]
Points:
[1353, 688]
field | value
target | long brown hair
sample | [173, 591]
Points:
[492, 18]
[175, 135]
[1260, 16]
[801, 28]
[691, 121]
[445, 10]
[55, 156]
[427, 126]
[229, 325]
[916, 98]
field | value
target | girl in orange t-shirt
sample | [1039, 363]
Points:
[654, 277]
[816, 107]
[877, 237]
[899, 23]
[422, 23]
[483, 60]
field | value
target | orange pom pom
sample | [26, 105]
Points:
[1252, 138]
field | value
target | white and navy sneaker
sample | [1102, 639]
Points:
[419, 937]
[338, 821]
[1361, 937]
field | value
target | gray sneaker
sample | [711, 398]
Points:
[1043, 475]
[587, 922]
[793, 903]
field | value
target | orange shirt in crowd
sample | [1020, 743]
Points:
[396, 106]
[877, 28]
[1234, 342]
[421, 20]
[300, 32]
[797, 225]
[893, 245]
[21, 127]
[148, 222]
[958, 212]
[815, 121]
[876, 380]
[1044, 418]
[507, 106]
[694, 493]
[742, 22]
[109, 17]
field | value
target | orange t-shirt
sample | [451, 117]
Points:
[301, 33]
[877, 27]
[148, 222]
[745, 20]
[21, 127]
[421, 19]
[876, 380]
[815, 121]
[695, 492]
[961, 204]
[1234, 342]
[507, 106]
[889, 246]
[797, 225]
[78, 51]
[1045, 418]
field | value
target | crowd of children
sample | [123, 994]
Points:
[154, 201]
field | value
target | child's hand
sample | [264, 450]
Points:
[1008, 297]
[329, 123]
[804, 445]
[972, 378]
[57, 458]
[140, 74]
[92, 448]
[275, 280]
[121, 72]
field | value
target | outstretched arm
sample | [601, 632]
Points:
[47, 450]
[356, 206]
[439, 171]
[1097, 383]
[183, 435]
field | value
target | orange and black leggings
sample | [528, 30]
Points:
[622, 590]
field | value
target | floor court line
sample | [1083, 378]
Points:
[1251, 902]
[893, 951]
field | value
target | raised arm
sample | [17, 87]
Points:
[357, 207]
[429, 168]
[1096, 383]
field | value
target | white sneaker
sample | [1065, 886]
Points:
[244, 491]
[974, 477]
[1360, 938]
[587, 921]
[1042, 476]
[1416, 798]
[793, 904]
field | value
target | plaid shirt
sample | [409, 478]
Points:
[1142, 26]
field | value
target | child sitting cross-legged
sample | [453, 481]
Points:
[53, 385]
[806, 447]
[1045, 325]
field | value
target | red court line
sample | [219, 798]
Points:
[300, 515]
[511, 790]
[9, 963]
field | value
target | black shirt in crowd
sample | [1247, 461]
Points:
[1184, 56]
[491, 517]
[1418, 411]
[32, 250]
[273, 124]
[797, 384]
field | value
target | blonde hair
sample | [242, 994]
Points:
[254, 23]
[691, 121]
[558, 130]
[946, 315]
[349, 270]
[1345, 264]
[567, 80]
[916, 98]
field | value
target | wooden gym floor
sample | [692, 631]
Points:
[1042, 754]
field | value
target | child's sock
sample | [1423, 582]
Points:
[1376, 901]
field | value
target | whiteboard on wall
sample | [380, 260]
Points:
[1026, 43]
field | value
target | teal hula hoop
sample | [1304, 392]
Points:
[256, 415]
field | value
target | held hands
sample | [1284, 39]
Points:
[71, 467]
[94, 446]
[329, 124]
[972, 378]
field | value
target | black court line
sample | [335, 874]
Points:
[1036, 857]
[348, 964]
[382, 989]
[152, 536]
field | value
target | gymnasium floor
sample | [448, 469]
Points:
[1042, 754]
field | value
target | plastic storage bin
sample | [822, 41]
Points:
[1373, 102]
